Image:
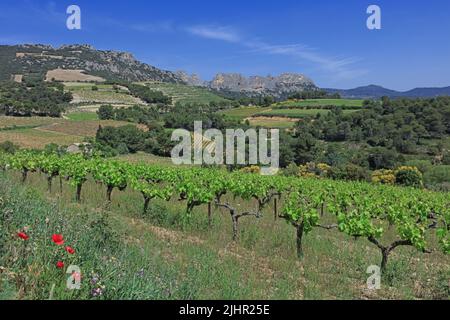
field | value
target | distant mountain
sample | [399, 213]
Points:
[36, 60]
[428, 92]
[256, 85]
[373, 91]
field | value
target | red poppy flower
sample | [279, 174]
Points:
[23, 236]
[60, 264]
[58, 239]
[70, 250]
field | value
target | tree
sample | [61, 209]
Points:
[106, 112]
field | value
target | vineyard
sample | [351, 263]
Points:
[359, 210]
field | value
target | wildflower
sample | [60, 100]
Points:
[58, 239]
[94, 279]
[97, 292]
[70, 250]
[60, 264]
[23, 236]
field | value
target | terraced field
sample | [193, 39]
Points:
[186, 94]
[83, 93]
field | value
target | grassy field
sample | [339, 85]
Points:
[185, 94]
[82, 116]
[319, 103]
[162, 256]
[296, 113]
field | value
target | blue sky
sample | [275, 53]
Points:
[325, 40]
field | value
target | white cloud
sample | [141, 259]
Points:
[338, 68]
[215, 33]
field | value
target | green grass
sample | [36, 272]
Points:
[82, 116]
[186, 94]
[296, 113]
[243, 112]
[319, 103]
[162, 256]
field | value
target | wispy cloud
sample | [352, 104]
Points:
[336, 67]
[216, 33]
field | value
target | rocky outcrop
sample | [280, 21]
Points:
[280, 85]
[192, 80]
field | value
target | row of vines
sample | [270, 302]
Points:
[359, 209]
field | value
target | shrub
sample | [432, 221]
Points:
[409, 176]
[251, 169]
[383, 176]
[311, 169]
[8, 147]
[349, 172]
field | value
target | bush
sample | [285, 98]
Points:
[314, 170]
[251, 169]
[383, 176]
[106, 112]
[446, 158]
[437, 175]
[349, 172]
[291, 170]
[409, 176]
[8, 147]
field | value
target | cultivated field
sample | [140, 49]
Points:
[37, 132]
[319, 103]
[295, 113]
[272, 122]
[71, 75]
[83, 93]
[185, 94]
[243, 112]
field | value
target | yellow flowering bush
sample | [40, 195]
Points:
[383, 176]
[251, 169]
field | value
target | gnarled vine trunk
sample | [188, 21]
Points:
[146, 204]
[78, 195]
[109, 190]
[49, 183]
[300, 230]
[24, 175]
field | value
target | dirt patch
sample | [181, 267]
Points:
[17, 78]
[71, 75]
